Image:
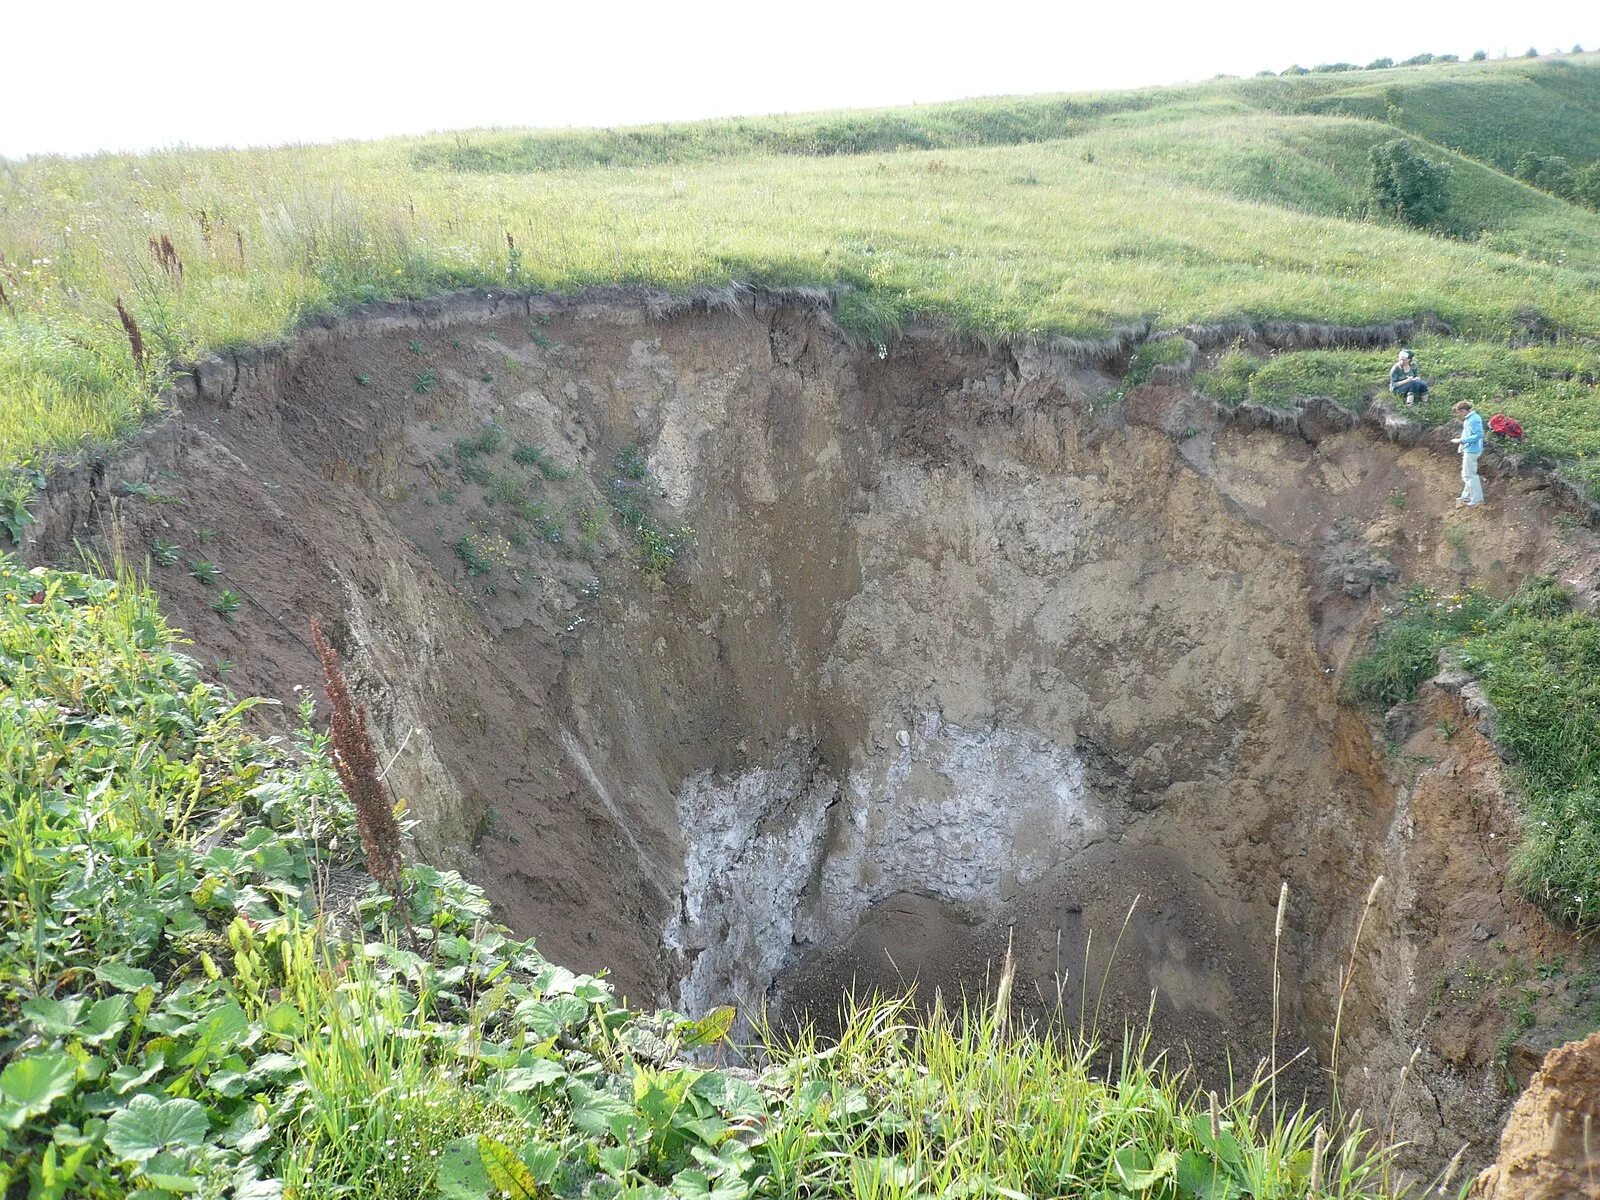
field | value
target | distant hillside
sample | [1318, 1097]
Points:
[1492, 111]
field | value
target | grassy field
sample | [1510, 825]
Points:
[178, 1018]
[1013, 217]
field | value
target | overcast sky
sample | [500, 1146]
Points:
[80, 77]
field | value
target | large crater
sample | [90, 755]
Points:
[965, 653]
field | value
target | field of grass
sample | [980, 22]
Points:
[177, 1017]
[1011, 217]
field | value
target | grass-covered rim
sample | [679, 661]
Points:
[1016, 218]
[187, 1010]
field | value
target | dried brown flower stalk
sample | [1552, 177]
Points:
[135, 338]
[357, 763]
[166, 256]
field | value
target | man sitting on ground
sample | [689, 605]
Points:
[1404, 379]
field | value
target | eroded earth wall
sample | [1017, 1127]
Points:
[963, 653]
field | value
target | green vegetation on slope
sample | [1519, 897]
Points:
[1208, 203]
[178, 1018]
[1539, 664]
[1490, 111]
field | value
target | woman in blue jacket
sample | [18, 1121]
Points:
[1471, 443]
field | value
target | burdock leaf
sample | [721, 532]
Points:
[508, 1174]
[29, 1086]
[149, 1125]
[711, 1028]
[461, 1174]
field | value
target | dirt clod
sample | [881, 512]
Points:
[1550, 1149]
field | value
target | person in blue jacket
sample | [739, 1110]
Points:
[1471, 443]
[1405, 380]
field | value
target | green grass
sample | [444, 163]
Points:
[1539, 664]
[176, 1018]
[1236, 199]
[1552, 390]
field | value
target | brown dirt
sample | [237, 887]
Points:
[955, 660]
[1550, 1149]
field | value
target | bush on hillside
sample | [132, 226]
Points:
[1380, 64]
[1548, 172]
[1479, 56]
[1407, 184]
[1586, 187]
[1338, 66]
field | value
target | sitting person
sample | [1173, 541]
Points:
[1404, 380]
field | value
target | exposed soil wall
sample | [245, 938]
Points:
[960, 657]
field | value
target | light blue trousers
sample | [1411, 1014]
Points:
[1471, 485]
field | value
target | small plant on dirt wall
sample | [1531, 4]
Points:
[17, 488]
[630, 463]
[226, 604]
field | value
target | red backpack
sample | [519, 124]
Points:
[1505, 427]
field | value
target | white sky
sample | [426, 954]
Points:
[114, 74]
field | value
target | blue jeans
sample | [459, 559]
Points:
[1412, 387]
[1471, 485]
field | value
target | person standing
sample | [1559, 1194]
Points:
[1471, 443]
[1405, 380]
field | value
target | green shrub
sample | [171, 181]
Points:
[630, 463]
[1548, 172]
[472, 552]
[1586, 186]
[507, 488]
[1405, 183]
[486, 441]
